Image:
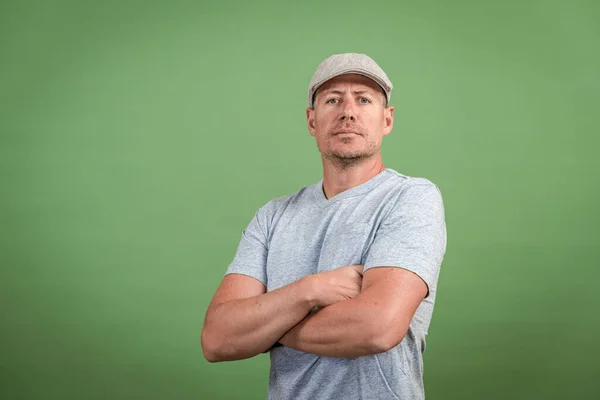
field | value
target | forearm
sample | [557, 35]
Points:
[243, 328]
[346, 329]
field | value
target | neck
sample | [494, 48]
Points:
[339, 177]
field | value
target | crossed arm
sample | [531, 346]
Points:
[373, 322]
[243, 320]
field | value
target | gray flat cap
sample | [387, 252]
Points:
[348, 63]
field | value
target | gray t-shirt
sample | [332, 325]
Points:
[390, 220]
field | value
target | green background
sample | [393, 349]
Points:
[137, 139]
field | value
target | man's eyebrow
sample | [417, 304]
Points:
[368, 91]
[334, 91]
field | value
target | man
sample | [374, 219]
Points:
[338, 280]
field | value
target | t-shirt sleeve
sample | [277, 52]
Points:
[413, 235]
[251, 256]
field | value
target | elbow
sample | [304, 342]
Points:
[380, 345]
[210, 347]
[208, 350]
[385, 339]
[216, 348]
[210, 356]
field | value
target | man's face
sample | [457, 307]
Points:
[349, 119]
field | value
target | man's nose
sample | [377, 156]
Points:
[348, 112]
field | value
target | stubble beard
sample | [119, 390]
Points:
[345, 160]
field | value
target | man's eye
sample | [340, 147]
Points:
[364, 100]
[332, 101]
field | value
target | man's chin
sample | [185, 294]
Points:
[345, 160]
[350, 155]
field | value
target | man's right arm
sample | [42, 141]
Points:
[244, 320]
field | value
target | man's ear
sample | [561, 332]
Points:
[310, 120]
[388, 120]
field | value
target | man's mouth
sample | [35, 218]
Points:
[345, 133]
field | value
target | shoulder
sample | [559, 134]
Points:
[412, 189]
[272, 209]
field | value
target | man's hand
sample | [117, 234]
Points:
[336, 285]
[332, 286]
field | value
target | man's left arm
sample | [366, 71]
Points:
[400, 270]
[373, 322]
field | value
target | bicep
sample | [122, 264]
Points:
[246, 275]
[413, 235]
[237, 287]
[394, 294]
